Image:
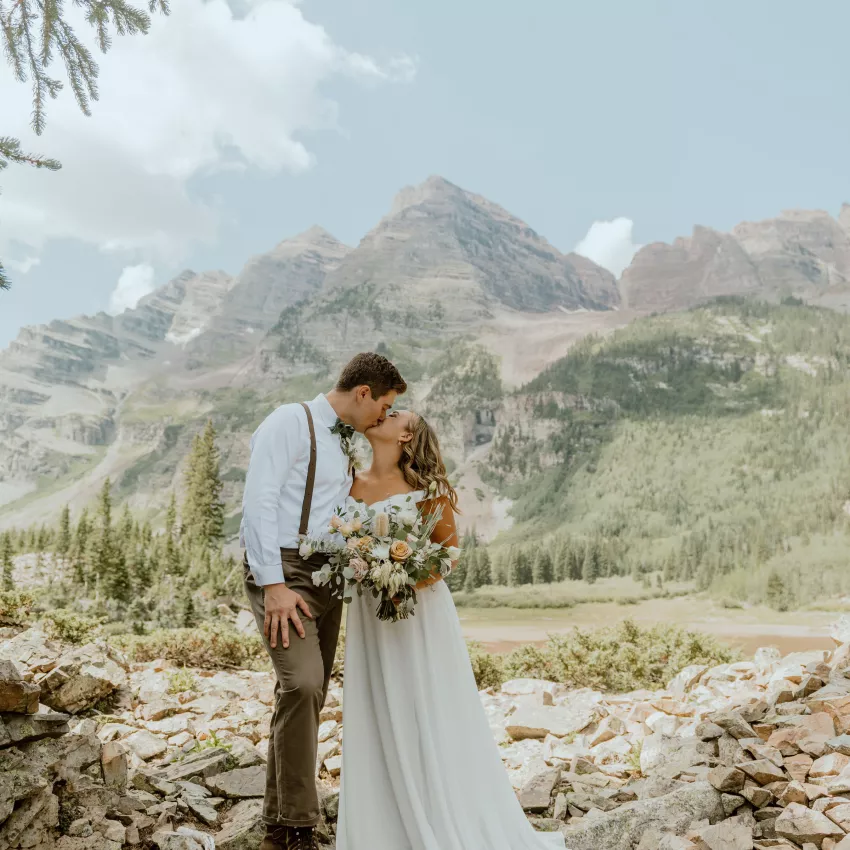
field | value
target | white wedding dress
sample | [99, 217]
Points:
[420, 767]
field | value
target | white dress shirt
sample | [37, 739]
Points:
[277, 479]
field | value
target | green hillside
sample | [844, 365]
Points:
[711, 446]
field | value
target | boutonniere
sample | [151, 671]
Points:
[346, 441]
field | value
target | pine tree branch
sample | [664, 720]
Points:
[10, 152]
[32, 31]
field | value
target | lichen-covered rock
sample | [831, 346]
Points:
[244, 829]
[622, 828]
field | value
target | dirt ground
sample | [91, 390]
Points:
[501, 629]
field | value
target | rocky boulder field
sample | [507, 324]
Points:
[100, 754]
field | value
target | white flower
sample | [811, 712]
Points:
[380, 551]
[322, 576]
[407, 518]
[305, 550]
[453, 552]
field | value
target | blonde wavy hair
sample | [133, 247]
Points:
[422, 463]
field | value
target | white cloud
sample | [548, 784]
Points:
[134, 284]
[204, 91]
[23, 266]
[609, 243]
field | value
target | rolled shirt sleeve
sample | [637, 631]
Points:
[273, 454]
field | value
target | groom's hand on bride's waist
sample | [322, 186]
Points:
[281, 606]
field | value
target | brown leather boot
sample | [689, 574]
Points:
[302, 838]
[276, 838]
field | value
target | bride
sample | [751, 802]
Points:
[420, 768]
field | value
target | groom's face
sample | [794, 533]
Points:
[371, 411]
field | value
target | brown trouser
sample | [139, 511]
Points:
[303, 673]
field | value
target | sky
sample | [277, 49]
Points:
[605, 125]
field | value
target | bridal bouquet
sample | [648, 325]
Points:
[383, 552]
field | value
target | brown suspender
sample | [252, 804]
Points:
[311, 475]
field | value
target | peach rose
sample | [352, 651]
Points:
[363, 543]
[400, 550]
[356, 525]
[336, 521]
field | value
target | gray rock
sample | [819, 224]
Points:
[82, 676]
[727, 778]
[145, 744]
[18, 728]
[243, 782]
[733, 723]
[839, 744]
[114, 763]
[725, 836]
[731, 803]
[16, 695]
[708, 731]
[32, 820]
[622, 829]
[244, 829]
[536, 794]
[799, 824]
[539, 721]
[201, 809]
[204, 763]
[762, 771]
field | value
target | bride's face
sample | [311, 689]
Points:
[396, 428]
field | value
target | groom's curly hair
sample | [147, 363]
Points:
[373, 371]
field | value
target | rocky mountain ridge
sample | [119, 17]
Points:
[118, 396]
[802, 253]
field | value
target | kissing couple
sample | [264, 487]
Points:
[420, 767]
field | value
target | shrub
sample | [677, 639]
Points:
[616, 658]
[486, 666]
[68, 627]
[15, 607]
[211, 645]
[180, 681]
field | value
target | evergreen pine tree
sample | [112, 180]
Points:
[203, 509]
[456, 579]
[590, 567]
[485, 567]
[170, 554]
[108, 561]
[775, 593]
[189, 615]
[561, 560]
[520, 568]
[471, 580]
[499, 569]
[79, 548]
[6, 561]
[63, 538]
[543, 572]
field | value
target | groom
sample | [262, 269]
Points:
[298, 474]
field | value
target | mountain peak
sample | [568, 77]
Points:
[435, 188]
[313, 238]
